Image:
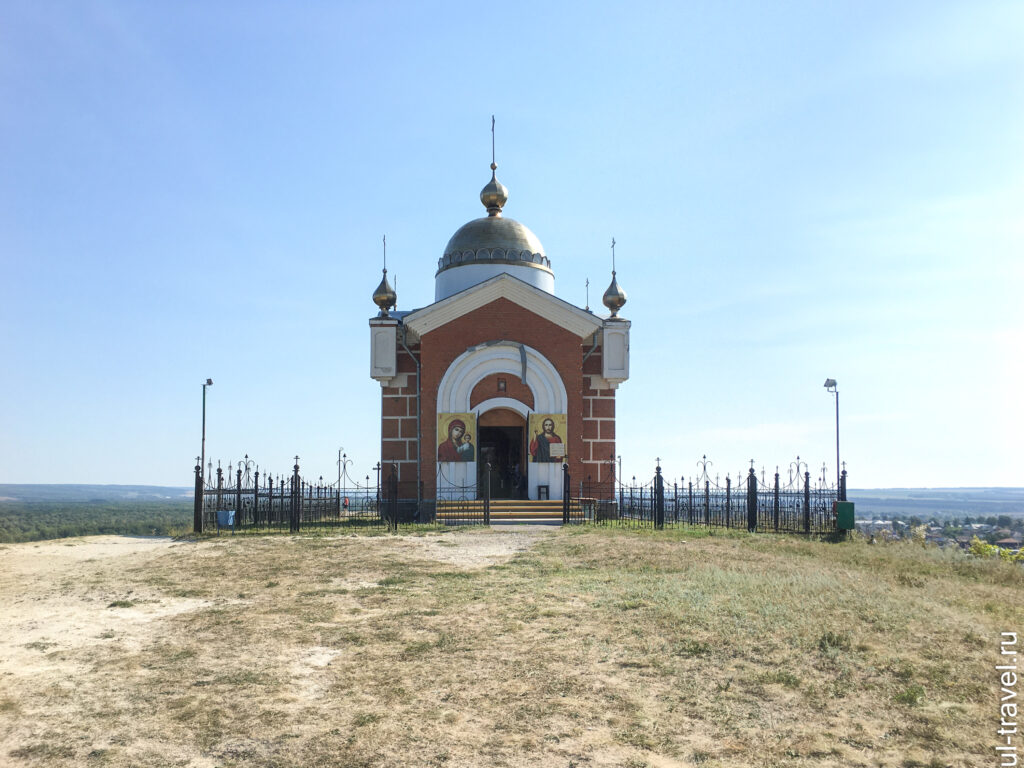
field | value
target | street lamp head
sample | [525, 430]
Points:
[209, 382]
[830, 385]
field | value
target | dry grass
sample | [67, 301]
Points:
[471, 648]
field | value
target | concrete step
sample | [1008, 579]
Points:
[509, 522]
[500, 515]
[556, 503]
[517, 521]
[505, 505]
[525, 508]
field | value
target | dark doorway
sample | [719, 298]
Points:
[503, 448]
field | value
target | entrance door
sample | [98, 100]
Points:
[500, 441]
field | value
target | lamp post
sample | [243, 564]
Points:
[378, 468]
[207, 383]
[830, 385]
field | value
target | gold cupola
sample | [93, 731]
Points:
[494, 195]
[385, 296]
[614, 298]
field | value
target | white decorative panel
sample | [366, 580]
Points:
[615, 355]
[383, 359]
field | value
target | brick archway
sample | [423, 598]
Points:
[505, 357]
[473, 365]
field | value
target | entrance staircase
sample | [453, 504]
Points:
[510, 511]
[536, 512]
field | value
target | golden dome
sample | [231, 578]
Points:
[614, 298]
[385, 296]
[493, 239]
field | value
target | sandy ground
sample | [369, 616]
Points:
[47, 605]
[67, 601]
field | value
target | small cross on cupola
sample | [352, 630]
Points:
[385, 296]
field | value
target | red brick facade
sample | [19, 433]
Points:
[598, 423]
[398, 420]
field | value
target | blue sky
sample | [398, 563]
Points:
[798, 191]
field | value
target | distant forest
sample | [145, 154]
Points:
[938, 503]
[36, 520]
[92, 493]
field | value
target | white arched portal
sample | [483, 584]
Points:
[476, 364]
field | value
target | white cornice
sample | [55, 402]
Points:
[503, 286]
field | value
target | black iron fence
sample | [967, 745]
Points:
[243, 498]
[765, 504]
[463, 503]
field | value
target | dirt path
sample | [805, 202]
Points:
[478, 548]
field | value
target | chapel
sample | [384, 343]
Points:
[497, 371]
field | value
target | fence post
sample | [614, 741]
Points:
[380, 507]
[728, 502]
[659, 499]
[707, 503]
[487, 497]
[807, 502]
[689, 507]
[197, 512]
[296, 498]
[238, 498]
[392, 502]
[566, 492]
[751, 501]
[775, 501]
[256, 499]
[271, 511]
[675, 502]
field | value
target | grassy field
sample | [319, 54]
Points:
[558, 647]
